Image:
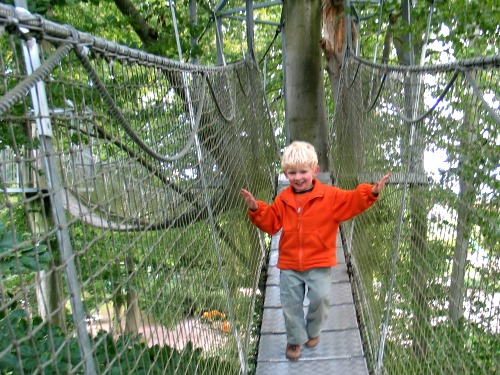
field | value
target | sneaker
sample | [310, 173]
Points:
[312, 342]
[292, 352]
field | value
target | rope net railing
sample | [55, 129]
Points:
[425, 260]
[124, 245]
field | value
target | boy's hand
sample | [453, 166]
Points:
[249, 200]
[377, 188]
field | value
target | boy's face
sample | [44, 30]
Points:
[301, 176]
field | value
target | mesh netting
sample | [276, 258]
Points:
[124, 244]
[425, 260]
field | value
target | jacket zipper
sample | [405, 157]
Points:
[300, 210]
[299, 228]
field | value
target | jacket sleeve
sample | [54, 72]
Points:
[266, 217]
[349, 203]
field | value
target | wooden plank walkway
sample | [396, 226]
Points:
[339, 351]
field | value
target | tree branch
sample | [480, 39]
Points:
[393, 18]
[147, 34]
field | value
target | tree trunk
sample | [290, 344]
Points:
[420, 269]
[333, 40]
[413, 157]
[465, 201]
[393, 17]
[133, 313]
[119, 298]
[147, 34]
[193, 16]
[49, 286]
[457, 286]
[304, 88]
[49, 297]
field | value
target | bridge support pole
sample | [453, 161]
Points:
[31, 56]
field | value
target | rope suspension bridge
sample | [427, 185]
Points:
[124, 244]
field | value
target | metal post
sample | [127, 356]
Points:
[31, 56]
[408, 57]
[347, 24]
[250, 25]
[219, 41]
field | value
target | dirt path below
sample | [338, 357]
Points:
[201, 334]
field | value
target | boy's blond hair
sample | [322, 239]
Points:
[297, 154]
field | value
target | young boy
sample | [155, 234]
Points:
[309, 214]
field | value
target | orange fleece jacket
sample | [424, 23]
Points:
[308, 238]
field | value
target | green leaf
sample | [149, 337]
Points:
[29, 263]
[26, 351]
[9, 266]
[17, 314]
[7, 242]
[9, 361]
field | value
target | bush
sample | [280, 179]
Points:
[50, 351]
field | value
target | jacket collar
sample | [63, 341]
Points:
[287, 195]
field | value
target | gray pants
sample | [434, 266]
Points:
[292, 292]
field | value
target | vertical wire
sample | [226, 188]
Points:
[422, 57]
[199, 154]
[395, 256]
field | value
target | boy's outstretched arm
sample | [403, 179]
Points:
[249, 200]
[377, 188]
